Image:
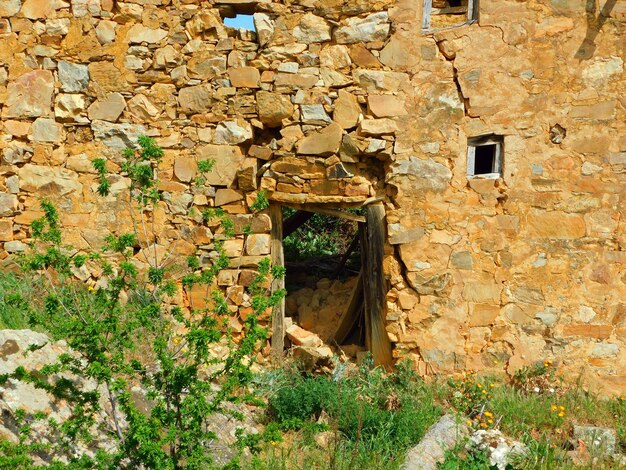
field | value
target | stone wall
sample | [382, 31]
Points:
[335, 102]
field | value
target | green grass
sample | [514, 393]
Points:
[17, 295]
[371, 418]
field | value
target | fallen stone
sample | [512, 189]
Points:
[30, 95]
[441, 437]
[500, 448]
[599, 441]
[302, 337]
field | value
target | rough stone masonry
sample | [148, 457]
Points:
[493, 131]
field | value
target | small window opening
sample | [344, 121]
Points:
[484, 157]
[443, 14]
[241, 21]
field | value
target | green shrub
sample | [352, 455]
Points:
[126, 331]
[377, 415]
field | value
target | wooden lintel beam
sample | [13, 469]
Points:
[327, 211]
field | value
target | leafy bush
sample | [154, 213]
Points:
[129, 309]
[321, 235]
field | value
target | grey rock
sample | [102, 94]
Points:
[15, 246]
[117, 136]
[374, 27]
[46, 130]
[500, 448]
[599, 441]
[440, 437]
[312, 29]
[73, 77]
[314, 114]
[233, 132]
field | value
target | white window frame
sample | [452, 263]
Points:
[474, 142]
[472, 16]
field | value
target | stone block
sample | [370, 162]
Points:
[30, 95]
[73, 77]
[324, 142]
[244, 77]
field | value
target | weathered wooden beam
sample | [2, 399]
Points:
[327, 211]
[350, 316]
[295, 221]
[374, 284]
[278, 259]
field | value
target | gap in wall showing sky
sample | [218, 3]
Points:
[241, 21]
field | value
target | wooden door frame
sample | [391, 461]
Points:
[372, 231]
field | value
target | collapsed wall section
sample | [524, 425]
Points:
[337, 103]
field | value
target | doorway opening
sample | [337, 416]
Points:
[334, 280]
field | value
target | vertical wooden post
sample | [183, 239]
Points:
[278, 259]
[374, 286]
[366, 280]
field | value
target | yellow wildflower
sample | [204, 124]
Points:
[489, 414]
[490, 421]
[484, 391]
[468, 422]
[561, 414]
[562, 408]
[554, 407]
